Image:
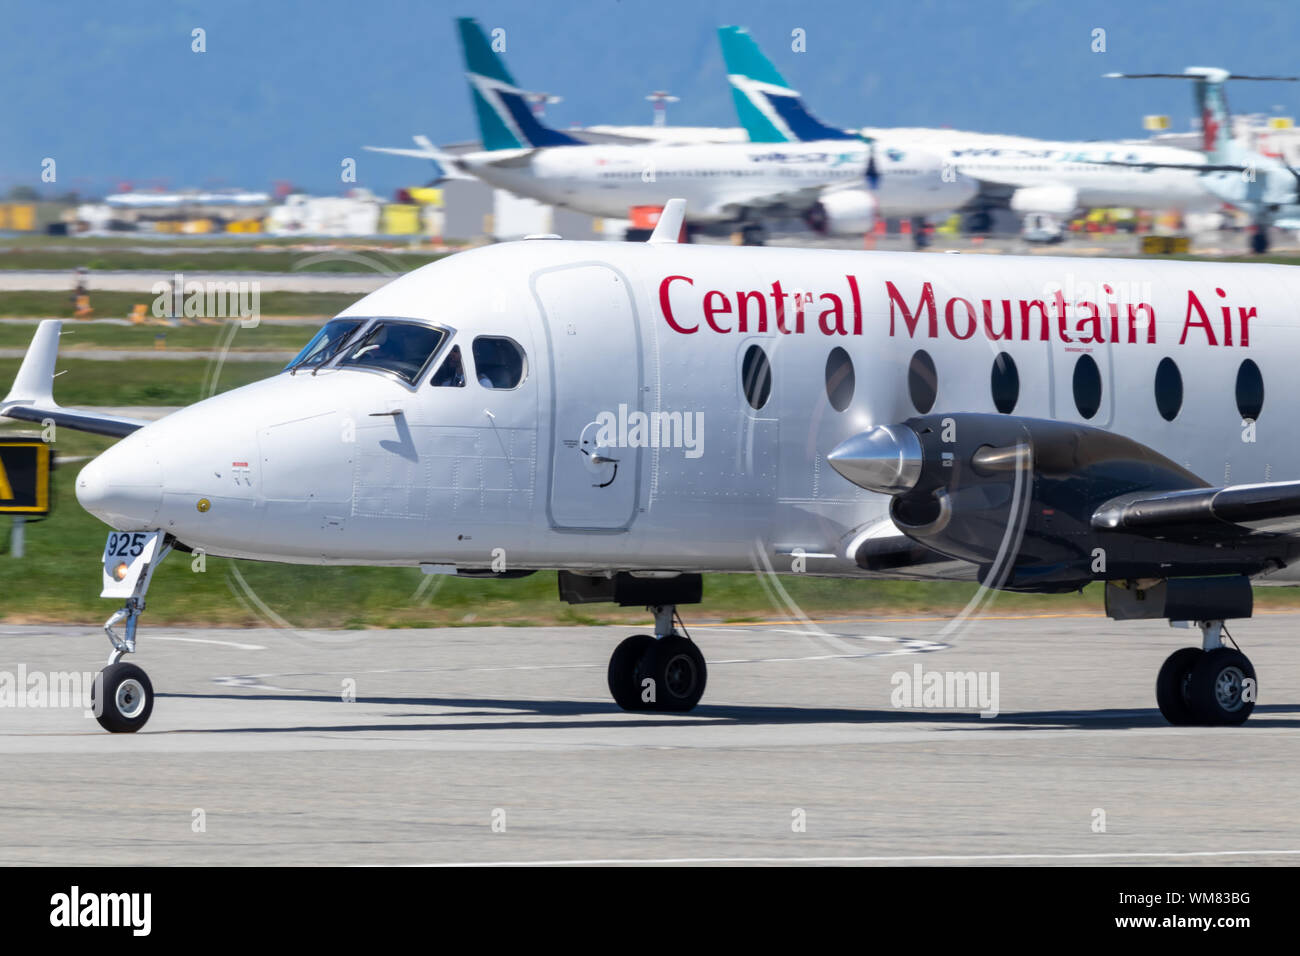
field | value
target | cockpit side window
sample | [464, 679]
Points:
[451, 373]
[499, 362]
[402, 348]
[325, 343]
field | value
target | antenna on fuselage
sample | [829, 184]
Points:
[669, 227]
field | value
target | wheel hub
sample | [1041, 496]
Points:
[679, 675]
[130, 698]
[1228, 688]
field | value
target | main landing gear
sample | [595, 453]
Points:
[122, 694]
[1211, 685]
[664, 672]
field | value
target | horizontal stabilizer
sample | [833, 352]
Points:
[444, 163]
[1199, 73]
[32, 397]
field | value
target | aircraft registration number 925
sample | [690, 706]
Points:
[126, 556]
[125, 544]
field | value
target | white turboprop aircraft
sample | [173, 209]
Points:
[1031, 177]
[1263, 186]
[635, 415]
[836, 184]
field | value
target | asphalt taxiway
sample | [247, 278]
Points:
[488, 745]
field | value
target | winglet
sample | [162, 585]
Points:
[669, 227]
[34, 384]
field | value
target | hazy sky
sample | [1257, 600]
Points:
[113, 93]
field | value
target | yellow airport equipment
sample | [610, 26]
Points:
[426, 195]
[401, 219]
[139, 314]
[20, 217]
[1165, 245]
[1274, 122]
[24, 477]
[1155, 123]
[83, 309]
[244, 225]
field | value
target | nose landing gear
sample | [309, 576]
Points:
[1211, 685]
[664, 673]
[122, 694]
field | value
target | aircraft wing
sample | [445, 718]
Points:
[32, 397]
[1232, 511]
[1198, 167]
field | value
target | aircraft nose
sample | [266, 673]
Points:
[123, 488]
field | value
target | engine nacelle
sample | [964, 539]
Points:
[848, 212]
[1016, 496]
[1056, 200]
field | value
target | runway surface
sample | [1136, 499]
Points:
[454, 730]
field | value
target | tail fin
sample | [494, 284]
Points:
[1211, 104]
[769, 109]
[505, 120]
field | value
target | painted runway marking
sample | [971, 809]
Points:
[206, 640]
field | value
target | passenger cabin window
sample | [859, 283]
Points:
[499, 362]
[839, 379]
[756, 377]
[451, 373]
[400, 348]
[1169, 389]
[325, 344]
[922, 381]
[1250, 391]
[1005, 383]
[1087, 386]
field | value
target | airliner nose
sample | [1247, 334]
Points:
[886, 458]
[123, 487]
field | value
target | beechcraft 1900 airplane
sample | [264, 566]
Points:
[635, 415]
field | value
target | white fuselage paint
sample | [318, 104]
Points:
[331, 475]
[717, 180]
[1080, 168]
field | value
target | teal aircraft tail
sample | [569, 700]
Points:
[505, 118]
[769, 109]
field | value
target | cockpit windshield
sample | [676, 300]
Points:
[402, 348]
[325, 343]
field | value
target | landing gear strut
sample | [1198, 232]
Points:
[665, 672]
[1211, 685]
[122, 695]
